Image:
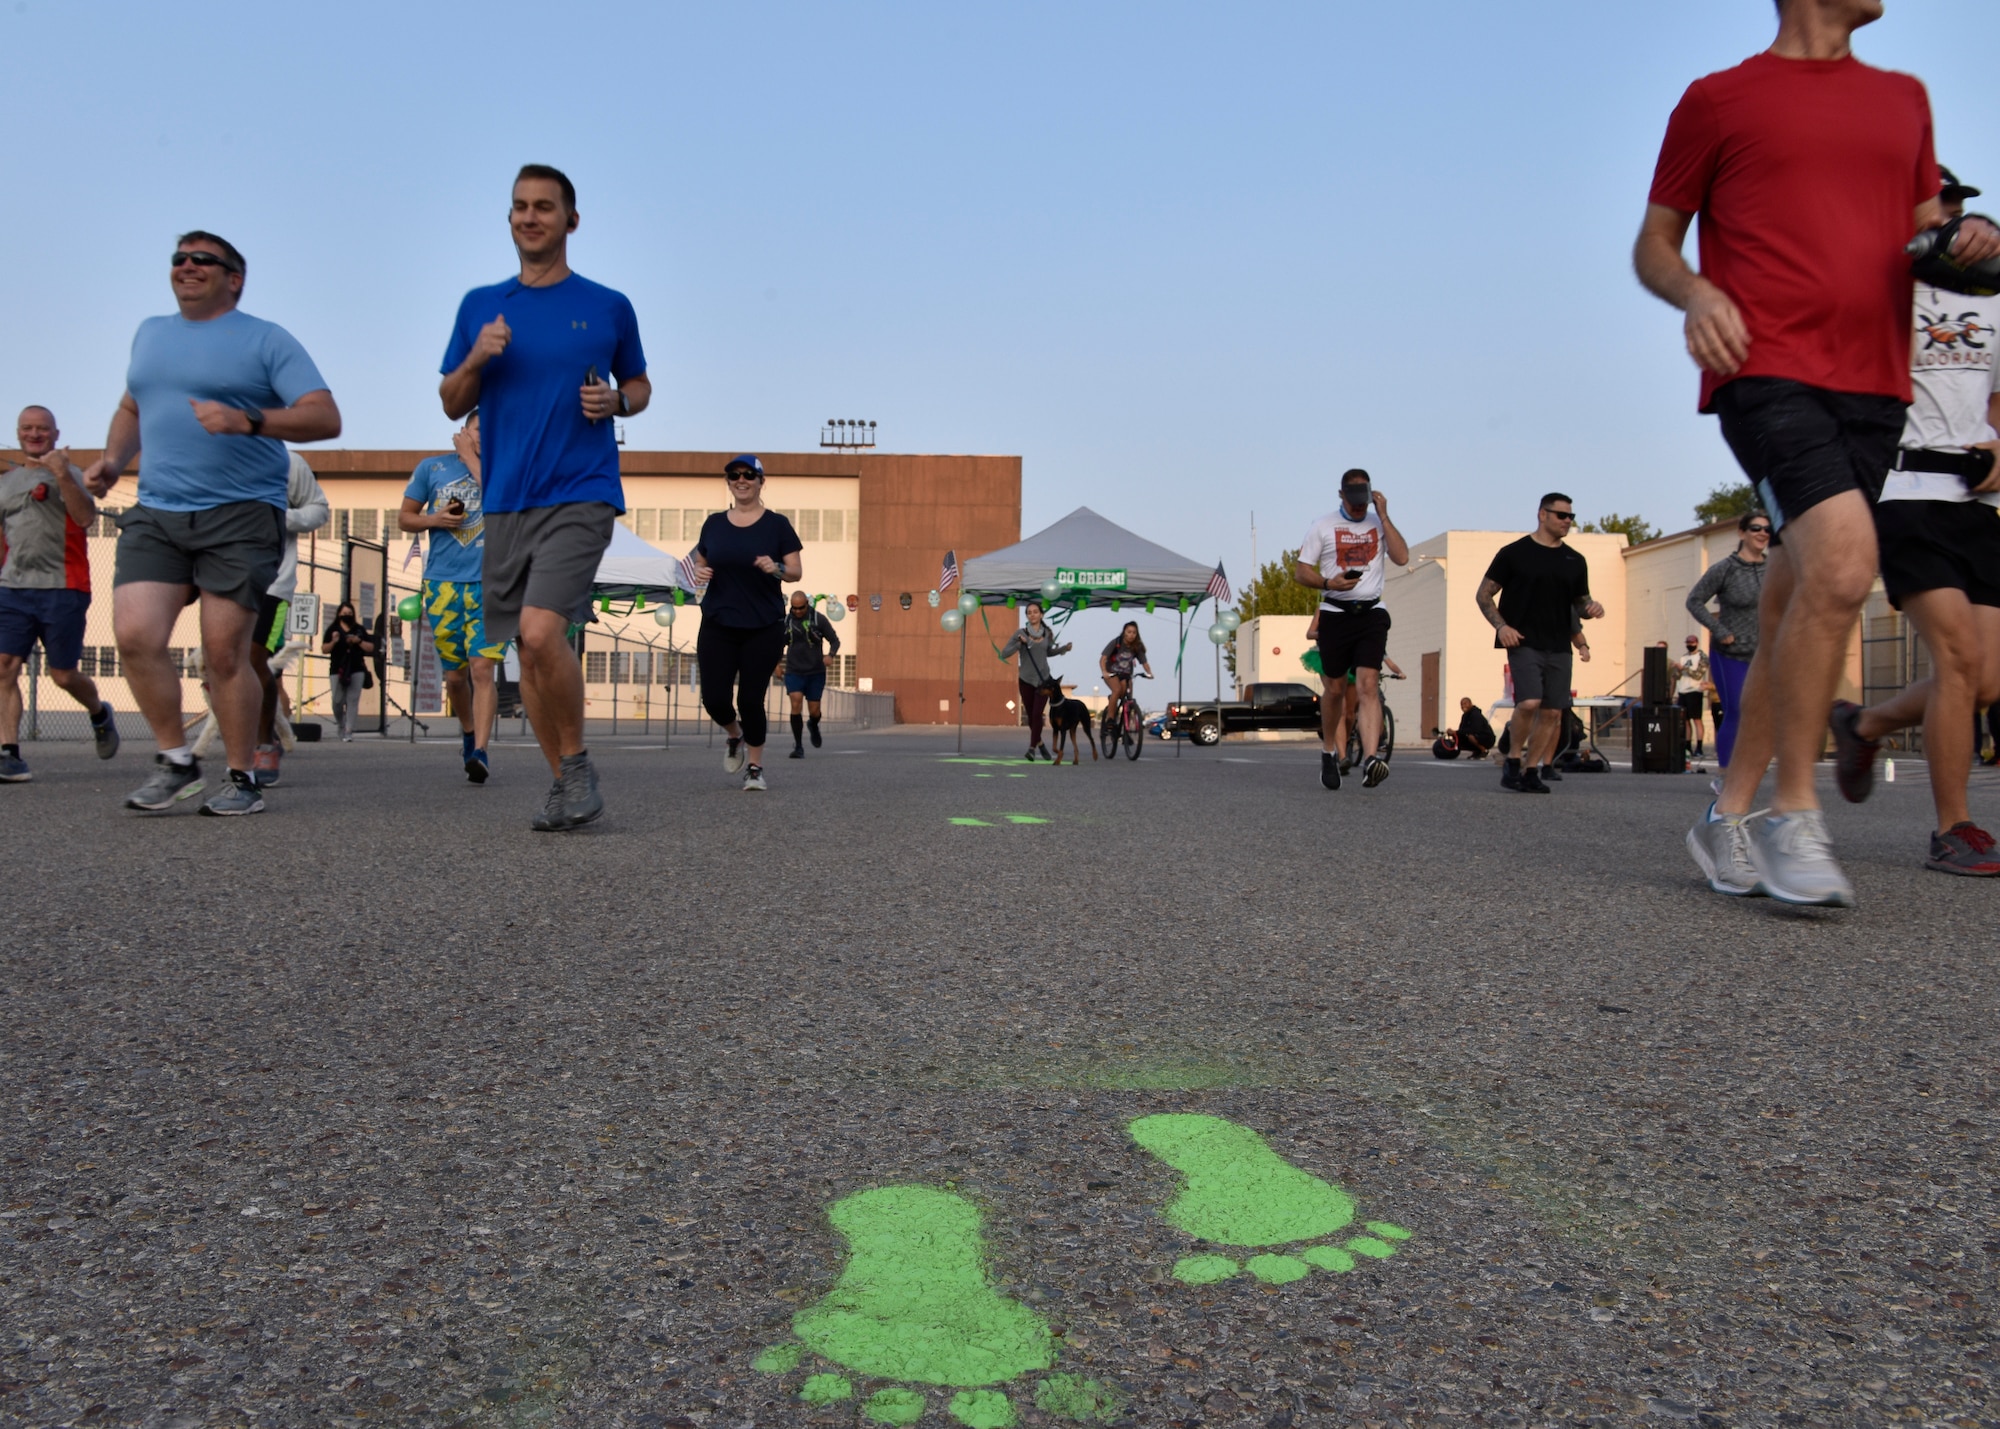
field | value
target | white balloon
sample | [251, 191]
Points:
[1219, 633]
[951, 620]
[967, 602]
[1230, 618]
[664, 616]
[835, 611]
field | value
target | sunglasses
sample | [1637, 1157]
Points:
[1756, 530]
[741, 476]
[203, 260]
[1561, 515]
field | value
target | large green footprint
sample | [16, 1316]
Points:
[915, 1304]
[1241, 1193]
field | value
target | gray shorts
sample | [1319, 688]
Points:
[232, 551]
[1541, 675]
[547, 558]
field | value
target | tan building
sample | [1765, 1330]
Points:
[1446, 647]
[875, 529]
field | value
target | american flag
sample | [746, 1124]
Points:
[684, 572]
[950, 576]
[1218, 585]
[416, 550]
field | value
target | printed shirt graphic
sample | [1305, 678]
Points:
[1334, 544]
[1952, 367]
[40, 547]
[453, 555]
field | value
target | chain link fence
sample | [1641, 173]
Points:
[634, 685]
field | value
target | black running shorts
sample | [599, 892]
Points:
[1939, 545]
[1352, 640]
[1800, 445]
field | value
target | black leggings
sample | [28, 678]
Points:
[736, 668]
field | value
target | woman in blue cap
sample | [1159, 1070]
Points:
[744, 557]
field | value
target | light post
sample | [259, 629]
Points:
[847, 434]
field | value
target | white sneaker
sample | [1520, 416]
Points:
[1721, 846]
[753, 782]
[733, 758]
[1794, 860]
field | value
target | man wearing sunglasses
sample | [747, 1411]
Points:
[211, 397]
[533, 353]
[1809, 171]
[1940, 539]
[1542, 585]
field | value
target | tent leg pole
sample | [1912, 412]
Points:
[961, 689]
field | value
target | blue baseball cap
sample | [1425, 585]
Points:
[745, 460]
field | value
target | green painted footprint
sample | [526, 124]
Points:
[915, 1304]
[1242, 1194]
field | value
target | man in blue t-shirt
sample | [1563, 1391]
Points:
[211, 397]
[444, 497]
[533, 355]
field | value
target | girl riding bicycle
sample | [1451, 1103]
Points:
[1119, 658]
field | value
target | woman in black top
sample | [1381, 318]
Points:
[347, 646]
[744, 555]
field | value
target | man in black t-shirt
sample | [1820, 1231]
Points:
[1541, 584]
[807, 634]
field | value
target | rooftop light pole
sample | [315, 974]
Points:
[847, 434]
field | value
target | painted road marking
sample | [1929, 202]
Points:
[916, 1303]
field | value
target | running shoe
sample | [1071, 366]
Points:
[264, 766]
[550, 818]
[104, 733]
[1549, 775]
[1510, 775]
[799, 752]
[1043, 750]
[753, 780]
[168, 784]
[1964, 849]
[1531, 783]
[1853, 756]
[812, 732]
[733, 758]
[1030, 755]
[1794, 860]
[238, 795]
[1720, 844]
[1374, 769]
[476, 766]
[14, 769]
[1329, 770]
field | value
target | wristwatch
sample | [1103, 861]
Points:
[255, 418]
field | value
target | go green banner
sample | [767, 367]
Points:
[1090, 579]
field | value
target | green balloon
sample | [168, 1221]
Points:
[409, 608]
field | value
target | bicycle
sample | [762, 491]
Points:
[1123, 721]
[1352, 759]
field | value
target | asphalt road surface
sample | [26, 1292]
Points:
[1170, 1092]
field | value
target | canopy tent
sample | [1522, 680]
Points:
[1086, 554]
[635, 570]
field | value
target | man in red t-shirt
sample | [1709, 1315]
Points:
[1810, 171]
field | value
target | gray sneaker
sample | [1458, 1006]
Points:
[14, 769]
[753, 780]
[733, 758]
[1721, 846]
[238, 795]
[1794, 860]
[167, 785]
[1374, 769]
[105, 735]
[574, 801]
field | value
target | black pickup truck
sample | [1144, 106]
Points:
[1269, 706]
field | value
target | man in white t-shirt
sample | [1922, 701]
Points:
[1342, 558]
[1939, 533]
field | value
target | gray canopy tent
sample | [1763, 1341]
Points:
[1092, 561]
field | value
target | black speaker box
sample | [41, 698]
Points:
[1659, 741]
[1656, 683]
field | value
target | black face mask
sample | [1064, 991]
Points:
[1355, 498]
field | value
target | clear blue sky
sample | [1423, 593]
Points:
[1187, 261]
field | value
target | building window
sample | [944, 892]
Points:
[642, 667]
[854, 525]
[107, 660]
[621, 667]
[833, 525]
[354, 525]
[691, 523]
[648, 524]
[593, 667]
[808, 525]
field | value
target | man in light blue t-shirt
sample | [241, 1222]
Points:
[445, 498]
[211, 397]
[533, 354]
